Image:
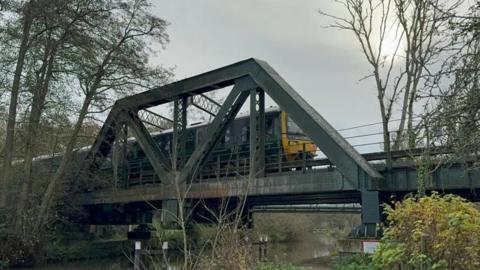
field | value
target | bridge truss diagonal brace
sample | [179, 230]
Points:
[206, 104]
[159, 161]
[347, 160]
[225, 116]
[103, 143]
[154, 119]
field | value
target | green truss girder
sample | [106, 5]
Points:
[261, 76]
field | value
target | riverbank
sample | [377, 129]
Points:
[302, 239]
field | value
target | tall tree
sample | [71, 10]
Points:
[61, 20]
[400, 40]
[421, 23]
[455, 110]
[27, 15]
[115, 64]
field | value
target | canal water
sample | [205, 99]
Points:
[314, 255]
[305, 240]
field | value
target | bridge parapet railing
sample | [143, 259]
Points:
[236, 164]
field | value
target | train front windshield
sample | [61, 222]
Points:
[294, 131]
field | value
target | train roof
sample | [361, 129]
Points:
[270, 109]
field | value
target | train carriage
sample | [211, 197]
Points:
[284, 142]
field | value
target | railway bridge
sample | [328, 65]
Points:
[174, 175]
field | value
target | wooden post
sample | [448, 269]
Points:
[260, 252]
[262, 248]
[137, 261]
[265, 248]
[165, 254]
[423, 248]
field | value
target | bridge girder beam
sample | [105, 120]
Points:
[227, 113]
[179, 141]
[159, 161]
[257, 133]
[260, 79]
[348, 161]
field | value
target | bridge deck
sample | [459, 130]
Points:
[402, 178]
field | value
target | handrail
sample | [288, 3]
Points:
[235, 165]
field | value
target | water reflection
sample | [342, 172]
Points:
[312, 254]
[107, 264]
[305, 239]
[121, 263]
[302, 239]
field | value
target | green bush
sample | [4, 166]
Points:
[434, 232]
[4, 265]
[354, 262]
[85, 250]
[430, 232]
[277, 266]
[18, 251]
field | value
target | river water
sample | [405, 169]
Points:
[305, 240]
[308, 254]
[312, 255]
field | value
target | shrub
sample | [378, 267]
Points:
[15, 251]
[4, 265]
[354, 262]
[277, 266]
[232, 251]
[437, 232]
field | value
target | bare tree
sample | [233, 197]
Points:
[423, 25]
[400, 40]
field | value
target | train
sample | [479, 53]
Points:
[283, 139]
[285, 146]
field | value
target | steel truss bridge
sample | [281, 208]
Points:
[162, 178]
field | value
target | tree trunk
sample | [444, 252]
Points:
[12, 111]
[386, 135]
[403, 117]
[61, 172]
[406, 95]
[38, 105]
[410, 131]
[385, 112]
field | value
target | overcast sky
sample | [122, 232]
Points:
[324, 65]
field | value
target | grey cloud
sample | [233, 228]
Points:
[322, 64]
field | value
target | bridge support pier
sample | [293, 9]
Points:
[170, 213]
[370, 214]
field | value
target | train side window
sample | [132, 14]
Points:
[269, 125]
[227, 136]
[244, 133]
[167, 146]
[190, 139]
